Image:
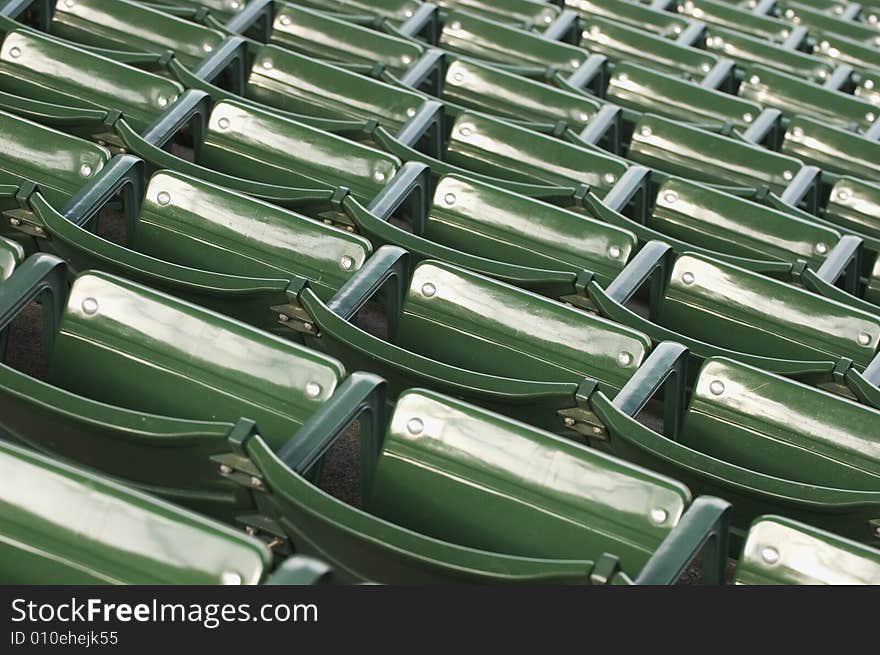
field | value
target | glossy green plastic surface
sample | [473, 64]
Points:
[295, 83]
[325, 37]
[726, 223]
[528, 12]
[779, 551]
[64, 525]
[128, 26]
[160, 355]
[747, 312]
[782, 428]
[45, 69]
[496, 148]
[746, 50]
[820, 22]
[638, 16]
[473, 322]
[643, 89]
[708, 157]
[481, 38]
[619, 42]
[395, 10]
[467, 476]
[832, 148]
[11, 255]
[203, 226]
[257, 144]
[24, 155]
[734, 18]
[838, 50]
[487, 89]
[796, 97]
[490, 222]
[855, 204]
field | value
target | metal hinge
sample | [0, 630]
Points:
[24, 220]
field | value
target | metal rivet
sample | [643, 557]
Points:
[455, 25]
[415, 426]
[408, 13]
[15, 53]
[548, 19]
[284, 318]
[598, 431]
[85, 170]
[208, 47]
[69, 3]
[646, 131]
[583, 117]
[717, 387]
[14, 222]
[465, 131]
[670, 197]
[411, 111]
[313, 389]
[449, 198]
[346, 263]
[406, 60]
[676, 29]
[90, 306]
[705, 67]
[843, 194]
[162, 101]
[575, 63]
[230, 578]
[623, 77]
[256, 482]
[267, 64]
[458, 77]
[624, 358]
[869, 84]
[428, 290]
[235, 4]
[284, 19]
[569, 421]
[379, 176]
[787, 175]
[821, 248]
[770, 555]
[747, 117]
[225, 469]
[659, 516]
[610, 178]
[614, 252]
[754, 79]
[872, 18]
[223, 123]
[595, 30]
[870, 117]
[822, 73]
[865, 339]
[307, 327]
[783, 34]
[797, 132]
[164, 197]
[688, 277]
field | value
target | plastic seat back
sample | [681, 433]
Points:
[726, 223]
[779, 427]
[257, 144]
[128, 26]
[746, 50]
[45, 69]
[493, 147]
[733, 18]
[65, 525]
[708, 157]
[148, 351]
[622, 43]
[478, 37]
[497, 224]
[11, 255]
[525, 12]
[23, 156]
[779, 551]
[638, 16]
[395, 10]
[471, 477]
[325, 37]
[196, 224]
[494, 91]
[833, 149]
[640, 88]
[476, 323]
[836, 50]
[855, 204]
[744, 311]
[292, 82]
[796, 97]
